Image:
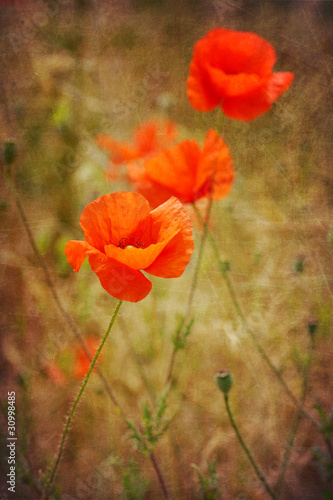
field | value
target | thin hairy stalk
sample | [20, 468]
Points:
[68, 319]
[191, 294]
[248, 454]
[247, 328]
[295, 423]
[159, 475]
[78, 397]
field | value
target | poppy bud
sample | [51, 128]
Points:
[299, 264]
[224, 381]
[225, 266]
[312, 327]
[9, 152]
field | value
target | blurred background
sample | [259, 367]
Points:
[72, 69]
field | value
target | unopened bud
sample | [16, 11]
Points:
[224, 381]
[312, 327]
[299, 264]
[9, 152]
[225, 266]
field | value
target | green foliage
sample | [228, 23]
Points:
[135, 486]
[153, 426]
[179, 339]
[209, 485]
[325, 461]
[326, 422]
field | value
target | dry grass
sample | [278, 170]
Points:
[105, 71]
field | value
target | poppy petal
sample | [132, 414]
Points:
[119, 280]
[258, 102]
[199, 89]
[76, 252]
[114, 216]
[247, 107]
[137, 258]
[120, 152]
[172, 261]
[278, 83]
[237, 52]
[215, 164]
[154, 192]
[152, 136]
[175, 168]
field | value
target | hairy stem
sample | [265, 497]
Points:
[295, 423]
[247, 328]
[68, 319]
[78, 397]
[191, 294]
[159, 475]
[248, 454]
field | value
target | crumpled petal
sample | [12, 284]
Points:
[119, 280]
[215, 166]
[171, 262]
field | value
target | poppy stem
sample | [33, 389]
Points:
[248, 454]
[295, 423]
[247, 328]
[68, 319]
[159, 475]
[78, 397]
[191, 294]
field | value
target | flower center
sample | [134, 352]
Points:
[130, 243]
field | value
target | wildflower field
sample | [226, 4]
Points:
[166, 236]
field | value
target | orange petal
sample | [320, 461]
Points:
[119, 280]
[120, 152]
[82, 361]
[137, 258]
[233, 85]
[237, 52]
[154, 192]
[278, 83]
[152, 136]
[215, 164]
[114, 216]
[76, 252]
[256, 103]
[172, 261]
[199, 89]
[175, 169]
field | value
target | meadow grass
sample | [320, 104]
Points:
[105, 69]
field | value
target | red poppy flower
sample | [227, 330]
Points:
[186, 171]
[55, 374]
[233, 69]
[123, 237]
[82, 362]
[149, 138]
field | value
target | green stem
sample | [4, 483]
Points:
[259, 347]
[248, 454]
[68, 319]
[159, 475]
[295, 423]
[197, 268]
[192, 290]
[81, 391]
